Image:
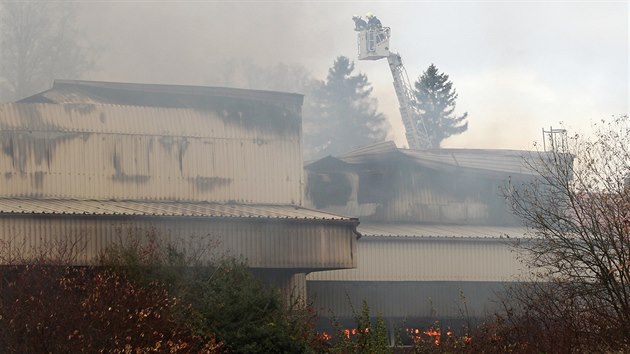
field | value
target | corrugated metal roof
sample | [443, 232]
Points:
[491, 160]
[367, 151]
[372, 230]
[504, 161]
[99, 92]
[138, 208]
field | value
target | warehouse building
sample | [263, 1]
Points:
[88, 163]
[437, 236]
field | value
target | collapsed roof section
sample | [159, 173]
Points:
[485, 161]
[382, 183]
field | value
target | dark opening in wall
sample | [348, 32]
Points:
[326, 189]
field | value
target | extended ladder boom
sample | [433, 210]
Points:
[373, 44]
[415, 130]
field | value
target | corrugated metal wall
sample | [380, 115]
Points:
[406, 300]
[426, 205]
[147, 153]
[426, 259]
[265, 244]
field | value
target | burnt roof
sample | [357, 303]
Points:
[490, 161]
[155, 95]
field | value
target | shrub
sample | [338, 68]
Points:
[221, 297]
[46, 308]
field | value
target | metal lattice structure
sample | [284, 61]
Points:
[373, 44]
[415, 130]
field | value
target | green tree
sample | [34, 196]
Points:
[39, 43]
[338, 114]
[347, 115]
[248, 316]
[219, 297]
[436, 97]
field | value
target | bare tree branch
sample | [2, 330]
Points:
[579, 212]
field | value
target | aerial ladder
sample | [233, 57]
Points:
[373, 44]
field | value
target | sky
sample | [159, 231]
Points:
[518, 66]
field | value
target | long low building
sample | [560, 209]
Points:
[86, 164]
[268, 236]
[422, 273]
[437, 235]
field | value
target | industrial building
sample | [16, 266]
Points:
[437, 236]
[87, 164]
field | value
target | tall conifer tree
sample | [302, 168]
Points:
[436, 97]
[348, 116]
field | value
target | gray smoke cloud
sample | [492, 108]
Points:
[189, 42]
[517, 66]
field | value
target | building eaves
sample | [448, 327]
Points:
[74, 207]
[327, 163]
[379, 231]
[369, 153]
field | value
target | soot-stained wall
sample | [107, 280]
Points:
[229, 150]
[396, 191]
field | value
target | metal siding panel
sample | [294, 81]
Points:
[110, 152]
[269, 244]
[410, 301]
[430, 260]
[423, 204]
